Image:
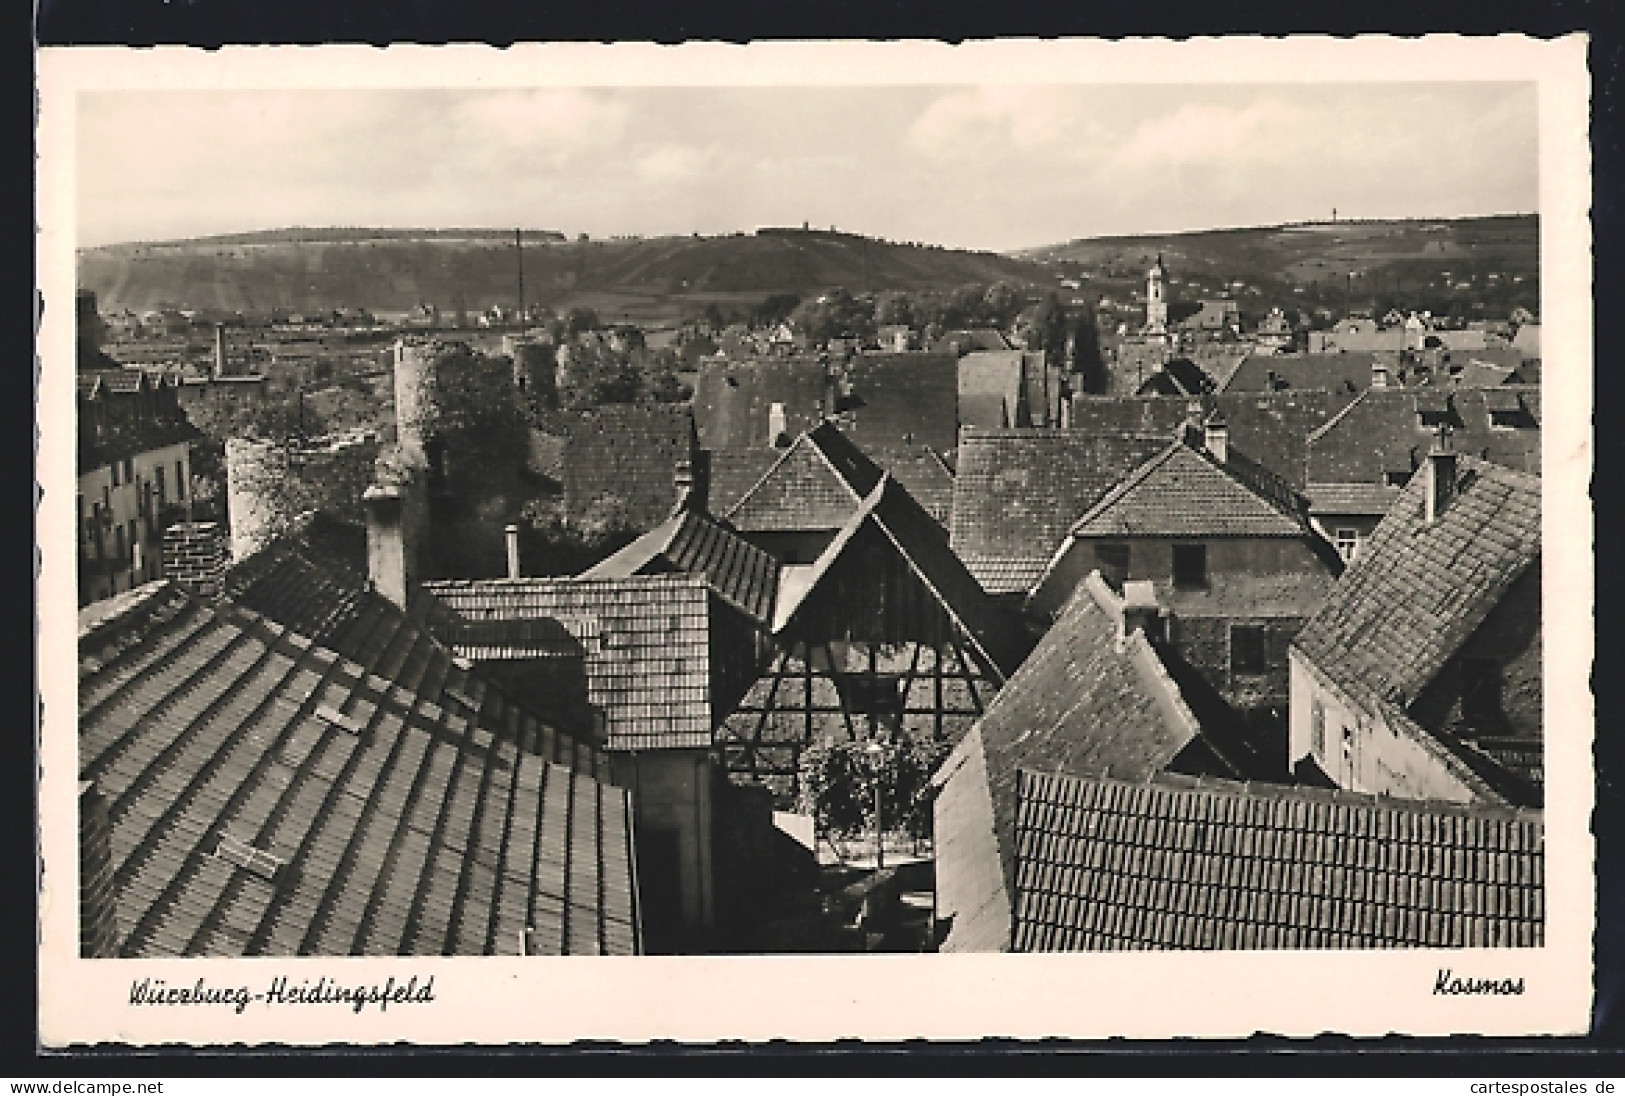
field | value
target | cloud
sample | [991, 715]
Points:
[1203, 131]
[564, 116]
[672, 163]
[1026, 117]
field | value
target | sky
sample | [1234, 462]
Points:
[993, 167]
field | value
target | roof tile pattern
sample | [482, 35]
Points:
[1017, 492]
[739, 572]
[904, 399]
[1187, 864]
[299, 585]
[1419, 589]
[1347, 372]
[818, 483]
[628, 452]
[1272, 428]
[645, 641]
[1185, 492]
[732, 400]
[389, 819]
[1381, 433]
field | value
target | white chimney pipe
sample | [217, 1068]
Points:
[512, 536]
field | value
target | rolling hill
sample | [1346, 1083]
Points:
[1394, 258]
[387, 270]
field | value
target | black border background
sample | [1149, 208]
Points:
[210, 23]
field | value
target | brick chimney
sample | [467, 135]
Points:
[1379, 374]
[98, 921]
[1216, 437]
[777, 427]
[511, 537]
[683, 480]
[194, 554]
[1441, 475]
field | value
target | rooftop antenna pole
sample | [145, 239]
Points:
[519, 250]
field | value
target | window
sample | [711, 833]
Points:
[118, 542]
[162, 493]
[113, 471]
[1111, 559]
[129, 473]
[1347, 542]
[1317, 727]
[1247, 649]
[1190, 566]
[180, 481]
[1396, 479]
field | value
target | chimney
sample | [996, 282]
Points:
[1140, 611]
[776, 426]
[1379, 374]
[388, 564]
[1216, 437]
[511, 536]
[219, 350]
[98, 925]
[194, 554]
[683, 479]
[1441, 485]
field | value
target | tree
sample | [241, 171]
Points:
[775, 309]
[838, 783]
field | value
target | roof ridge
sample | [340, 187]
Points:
[763, 478]
[1264, 789]
[1128, 483]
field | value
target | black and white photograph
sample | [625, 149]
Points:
[874, 515]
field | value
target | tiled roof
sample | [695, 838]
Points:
[1180, 863]
[1351, 498]
[1017, 492]
[1380, 432]
[1079, 705]
[1272, 428]
[739, 572]
[1344, 372]
[923, 545]
[1418, 590]
[646, 641]
[903, 399]
[303, 583]
[732, 400]
[815, 484]
[1006, 574]
[268, 796]
[629, 452]
[1184, 492]
[923, 474]
[729, 474]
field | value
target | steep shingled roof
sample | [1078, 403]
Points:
[924, 475]
[1183, 491]
[732, 400]
[645, 638]
[738, 572]
[1381, 432]
[1348, 372]
[1017, 492]
[1271, 427]
[1179, 863]
[303, 583]
[629, 452]
[1079, 704]
[1418, 590]
[817, 483]
[268, 796]
[903, 399]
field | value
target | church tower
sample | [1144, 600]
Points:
[1156, 300]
